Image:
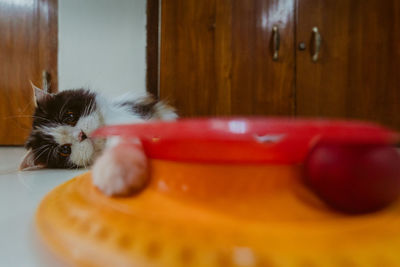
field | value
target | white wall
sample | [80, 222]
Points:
[102, 45]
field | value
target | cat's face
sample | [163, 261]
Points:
[61, 127]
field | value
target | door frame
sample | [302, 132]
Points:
[49, 25]
[153, 37]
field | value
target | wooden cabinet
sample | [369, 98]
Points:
[28, 47]
[357, 74]
[217, 58]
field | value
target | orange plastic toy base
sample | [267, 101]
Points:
[213, 215]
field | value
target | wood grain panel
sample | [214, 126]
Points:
[261, 86]
[216, 57]
[188, 76]
[27, 47]
[357, 73]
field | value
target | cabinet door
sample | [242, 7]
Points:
[357, 72]
[217, 57]
[28, 46]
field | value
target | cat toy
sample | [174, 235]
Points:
[239, 192]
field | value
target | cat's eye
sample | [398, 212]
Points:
[70, 118]
[64, 150]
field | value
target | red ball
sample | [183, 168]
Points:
[354, 178]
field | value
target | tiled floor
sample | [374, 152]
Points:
[20, 194]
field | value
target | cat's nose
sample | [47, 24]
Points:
[82, 136]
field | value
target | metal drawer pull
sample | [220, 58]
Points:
[317, 44]
[276, 42]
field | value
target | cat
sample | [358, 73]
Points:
[61, 128]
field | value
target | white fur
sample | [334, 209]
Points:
[114, 113]
[83, 152]
[122, 168]
[119, 177]
[112, 174]
[107, 112]
[165, 112]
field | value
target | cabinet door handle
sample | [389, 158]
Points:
[276, 42]
[317, 44]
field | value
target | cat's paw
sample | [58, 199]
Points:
[121, 170]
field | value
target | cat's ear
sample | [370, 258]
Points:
[39, 94]
[28, 162]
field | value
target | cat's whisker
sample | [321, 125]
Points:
[81, 156]
[48, 157]
[42, 118]
[44, 148]
[38, 155]
[23, 127]
[26, 107]
[41, 147]
[88, 108]
[17, 116]
[54, 152]
[26, 116]
[60, 114]
[85, 112]
[51, 153]
[17, 122]
[91, 106]
[51, 128]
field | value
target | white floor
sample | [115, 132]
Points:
[20, 194]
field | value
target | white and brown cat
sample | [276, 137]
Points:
[60, 136]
